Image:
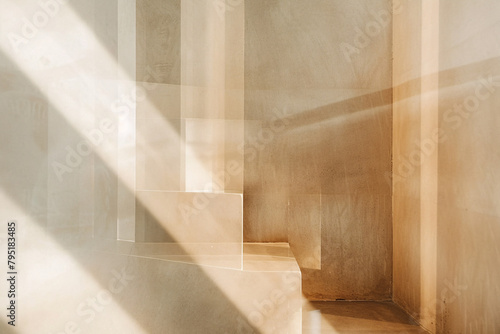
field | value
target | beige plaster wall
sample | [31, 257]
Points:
[446, 186]
[318, 140]
[59, 166]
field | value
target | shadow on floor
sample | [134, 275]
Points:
[357, 317]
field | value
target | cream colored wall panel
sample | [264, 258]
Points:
[127, 45]
[204, 154]
[158, 154]
[203, 45]
[188, 217]
[234, 59]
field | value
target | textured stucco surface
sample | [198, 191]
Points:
[318, 140]
[446, 212]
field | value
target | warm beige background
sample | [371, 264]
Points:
[317, 159]
[318, 142]
[446, 218]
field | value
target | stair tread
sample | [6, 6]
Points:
[264, 257]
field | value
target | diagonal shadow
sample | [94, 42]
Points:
[198, 293]
[157, 22]
[317, 115]
[384, 97]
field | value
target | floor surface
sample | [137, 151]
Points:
[356, 317]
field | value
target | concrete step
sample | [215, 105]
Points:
[126, 287]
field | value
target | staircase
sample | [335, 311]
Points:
[201, 246]
[205, 288]
[189, 182]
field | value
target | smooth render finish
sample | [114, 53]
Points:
[446, 162]
[199, 166]
[318, 140]
[189, 126]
